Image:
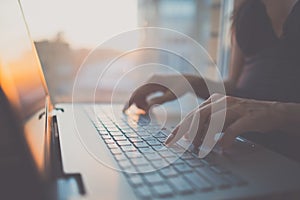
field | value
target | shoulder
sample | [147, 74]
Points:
[238, 6]
[239, 3]
[248, 10]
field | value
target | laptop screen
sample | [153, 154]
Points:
[21, 77]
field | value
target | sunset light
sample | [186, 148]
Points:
[84, 23]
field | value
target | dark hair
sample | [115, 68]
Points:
[236, 13]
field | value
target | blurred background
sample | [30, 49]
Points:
[66, 31]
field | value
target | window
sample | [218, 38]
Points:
[64, 35]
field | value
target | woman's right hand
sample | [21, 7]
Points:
[171, 87]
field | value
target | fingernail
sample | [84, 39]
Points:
[169, 139]
[218, 136]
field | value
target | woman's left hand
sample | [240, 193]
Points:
[237, 116]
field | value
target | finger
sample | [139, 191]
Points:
[213, 110]
[128, 103]
[204, 113]
[213, 130]
[139, 96]
[184, 122]
[210, 133]
[126, 106]
[215, 101]
[220, 120]
[131, 100]
[181, 129]
[195, 127]
[210, 129]
[231, 132]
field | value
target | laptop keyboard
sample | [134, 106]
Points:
[154, 170]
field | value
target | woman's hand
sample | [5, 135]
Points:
[171, 87]
[238, 116]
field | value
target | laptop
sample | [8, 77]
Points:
[88, 151]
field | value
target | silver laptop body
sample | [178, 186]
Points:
[82, 143]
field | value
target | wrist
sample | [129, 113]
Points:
[195, 83]
[229, 86]
[278, 113]
[287, 116]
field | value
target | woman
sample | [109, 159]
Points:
[265, 66]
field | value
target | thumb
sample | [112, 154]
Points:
[231, 132]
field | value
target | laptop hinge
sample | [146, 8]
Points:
[65, 181]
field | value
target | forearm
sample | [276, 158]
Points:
[203, 87]
[289, 114]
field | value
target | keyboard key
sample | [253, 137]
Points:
[135, 180]
[145, 168]
[162, 190]
[153, 178]
[160, 148]
[120, 157]
[116, 133]
[128, 148]
[127, 129]
[144, 122]
[168, 172]
[143, 133]
[171, 160]
[182, 168]
[159, 134]
[125, 164]
[143, 192]
[153, 156]
[120, 138]
[146, 150]
[109, 141]
[141, 144]
[133, 154]
[177, 149]
[136, 139]
[158, 164]
[106, 137]
[181, 185]
[213, 178]
[194, 162]
[167, 153]
[113, 146]
[162, 140]
[121, 124]
[178, 162]
[148, 138]
[139, 161]
[153, 142]
[116, 151]
[198, 181]
[187, 156]
[153, 128]
[131, 134]
[102, 131]
[124, 143]
[113, 130]
[110, 126]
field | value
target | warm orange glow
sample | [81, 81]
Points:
[8, 85]
[34, 134]
[21, 82]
